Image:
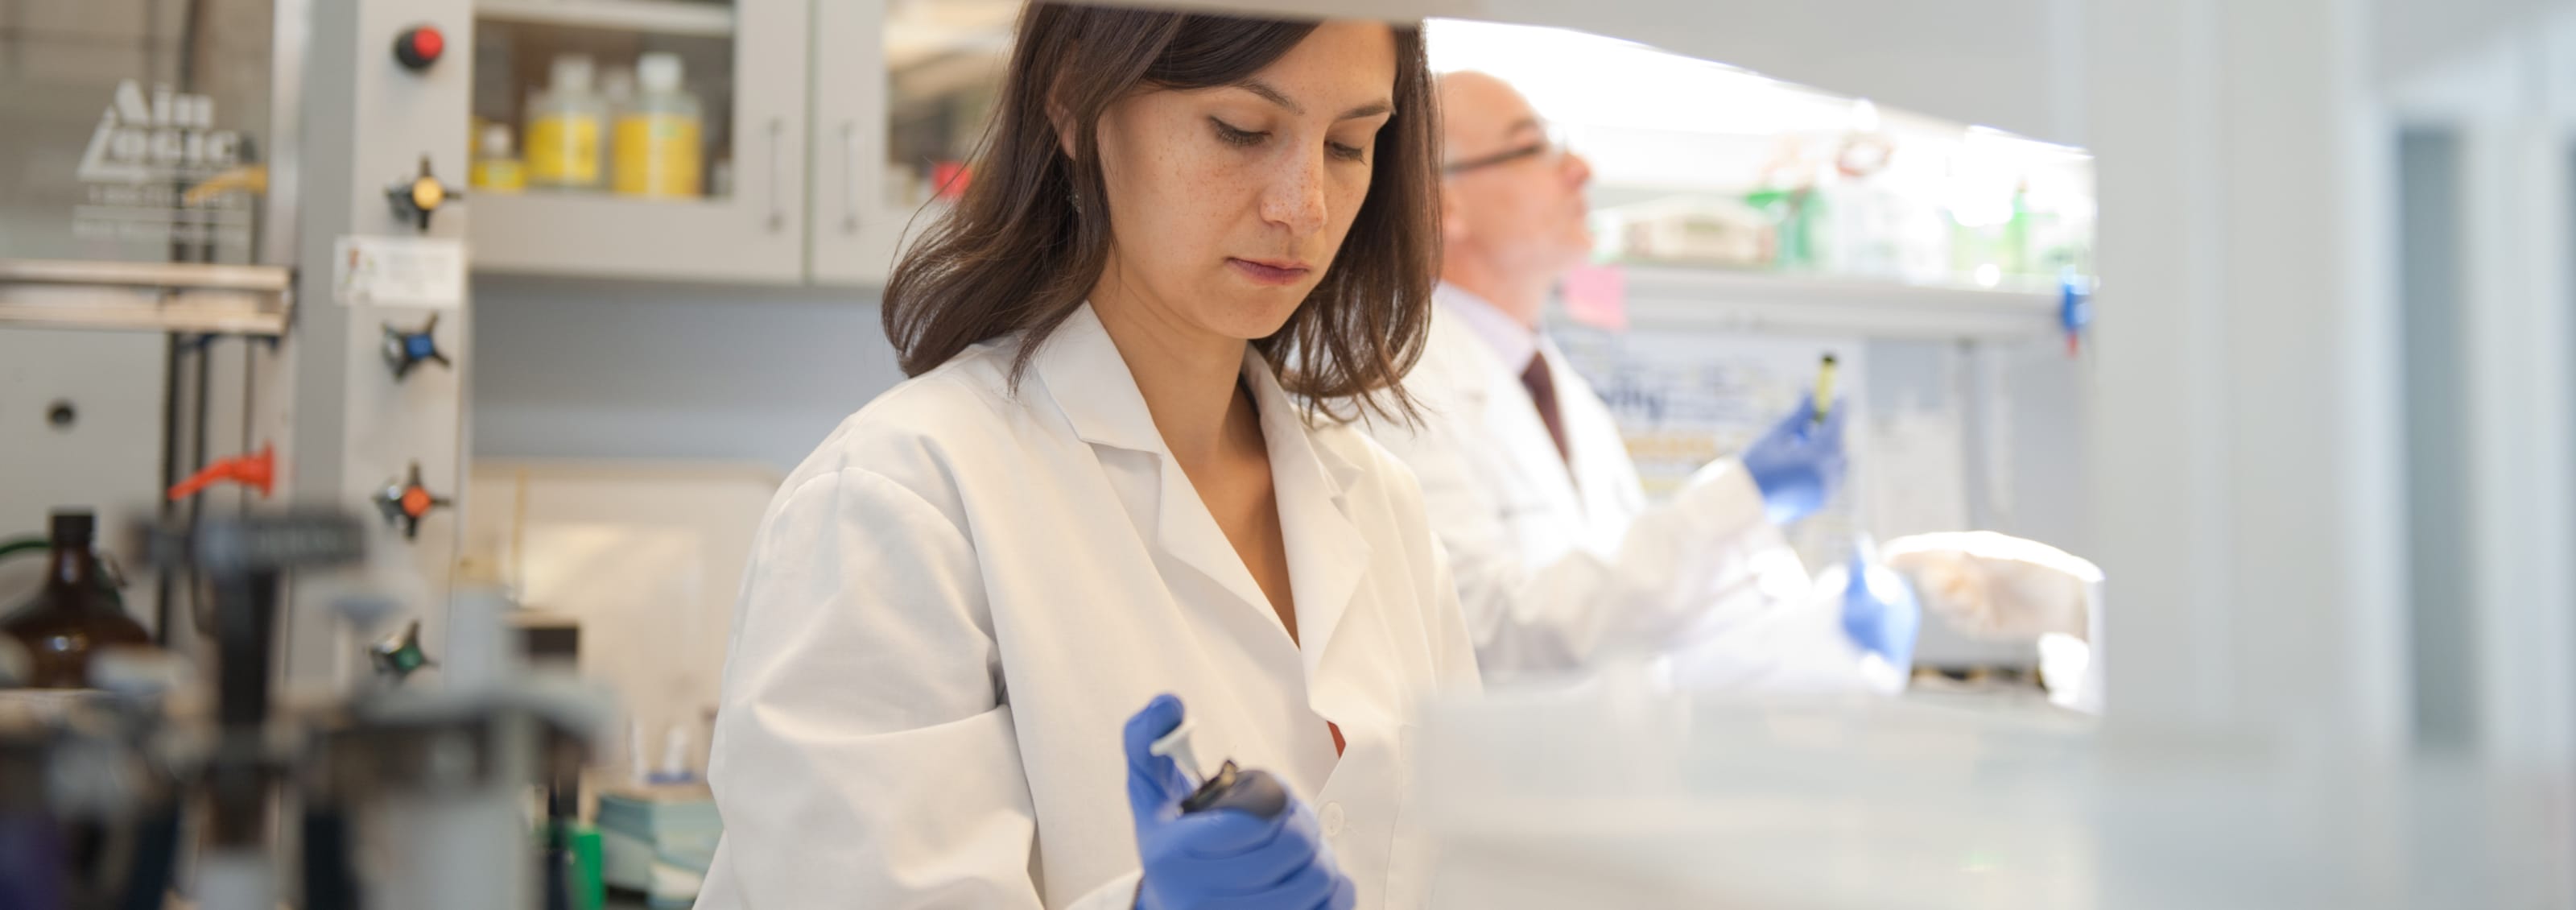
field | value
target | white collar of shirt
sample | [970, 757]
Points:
[1513, 343]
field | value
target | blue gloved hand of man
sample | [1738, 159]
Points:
[1220, 858]
[1799, 463]
[1880, 612]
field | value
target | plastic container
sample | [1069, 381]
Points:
[657, 144]
[564, 126]
[497, 167]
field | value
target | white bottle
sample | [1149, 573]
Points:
[496, 167]
[657, 144]
[564, 124]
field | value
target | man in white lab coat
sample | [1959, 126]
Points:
[1561, 565]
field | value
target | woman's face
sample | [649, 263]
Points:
[1228, 203]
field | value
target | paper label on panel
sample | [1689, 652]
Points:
[399, 271]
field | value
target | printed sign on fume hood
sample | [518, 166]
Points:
[399, 271]
[159, 170]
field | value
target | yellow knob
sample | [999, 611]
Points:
[426, 194]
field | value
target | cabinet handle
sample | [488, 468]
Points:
[849, 176]
[777, 174]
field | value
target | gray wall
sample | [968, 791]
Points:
[580, 369]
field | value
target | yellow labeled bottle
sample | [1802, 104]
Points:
[564, 123]
[496, 168]
[656, 148]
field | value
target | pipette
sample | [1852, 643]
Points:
[1254, 791]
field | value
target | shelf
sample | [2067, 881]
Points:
[1660, 297]
[661, 17]
[165, 297]
[602, 235]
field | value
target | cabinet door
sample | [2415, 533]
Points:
[895, 119]
[643, 190]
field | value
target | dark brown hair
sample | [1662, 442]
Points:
[1024, 246]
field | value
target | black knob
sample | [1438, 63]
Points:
[405, 349]
[406, 501]
[416, 198]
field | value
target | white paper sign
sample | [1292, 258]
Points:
[399, 271]
[1681, 398]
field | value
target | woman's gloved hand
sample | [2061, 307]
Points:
[1799, 463]
[1220, 859]
[1880, 612]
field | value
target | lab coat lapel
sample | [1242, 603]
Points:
[1327, 553]
[1092, 386]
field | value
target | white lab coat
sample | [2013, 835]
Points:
[956, 603]
[1561, 569]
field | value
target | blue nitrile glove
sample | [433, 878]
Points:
[1799, 463]
[1220, 859]
[1880, 612]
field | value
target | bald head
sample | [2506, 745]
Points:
[1479, 112]
[1512, 207]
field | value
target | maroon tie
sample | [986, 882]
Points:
[1542, 389]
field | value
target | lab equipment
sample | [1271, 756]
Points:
[1824, 387]
[658, 840]
[564, 125]
[1230, 787]
[436, 776]
[658, 137]
[496, 166]
[398, 655]
[256, 471]
[2074, 308]
[1997, 585]
[1220, 857]
[1993, 588]
[1800, 462]
[676, 746]
[75, 616]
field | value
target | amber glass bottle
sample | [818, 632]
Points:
[75, 616]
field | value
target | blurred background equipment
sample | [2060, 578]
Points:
[113, 789]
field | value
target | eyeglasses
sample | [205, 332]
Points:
[1549, 148]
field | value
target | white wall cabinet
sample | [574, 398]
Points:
[745, 60]
[828, 126]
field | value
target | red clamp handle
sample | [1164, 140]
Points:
[258, 472]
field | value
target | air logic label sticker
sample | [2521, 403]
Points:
[158, 170]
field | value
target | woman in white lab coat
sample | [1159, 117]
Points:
[1102, 484]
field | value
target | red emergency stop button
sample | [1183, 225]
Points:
[419, 46]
